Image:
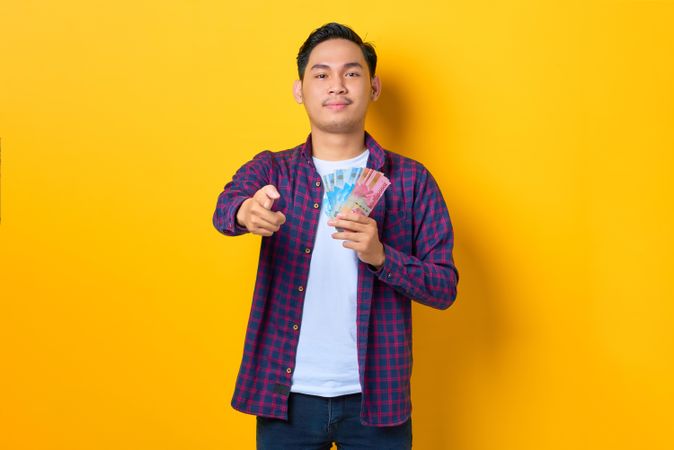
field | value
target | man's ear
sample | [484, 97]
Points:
[297, 91]
[376, 89]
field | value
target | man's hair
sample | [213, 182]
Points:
[329, 31]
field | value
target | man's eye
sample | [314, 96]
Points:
[353, 74]
[321, 75]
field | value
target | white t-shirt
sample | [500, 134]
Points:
[327, 358]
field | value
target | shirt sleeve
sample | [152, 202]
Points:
[246, 181]
[428, 275]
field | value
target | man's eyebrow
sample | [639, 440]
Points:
[347, 65]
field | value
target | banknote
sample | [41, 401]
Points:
[356, 190]
[367, 191]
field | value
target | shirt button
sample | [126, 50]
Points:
[318, 183]
[300, 288]
[295, 327]
[316, 205]
[389, 275]
[307, 250]
[288, 370]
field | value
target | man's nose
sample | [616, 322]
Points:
[337, 87]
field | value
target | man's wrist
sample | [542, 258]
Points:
[383, 260]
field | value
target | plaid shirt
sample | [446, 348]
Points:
[416, 232]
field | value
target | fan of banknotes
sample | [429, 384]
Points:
[357, 189]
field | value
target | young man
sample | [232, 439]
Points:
[328, 349]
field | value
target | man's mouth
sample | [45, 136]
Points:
[337, 105]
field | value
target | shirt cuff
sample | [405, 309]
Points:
[391, 267]
[232, 224]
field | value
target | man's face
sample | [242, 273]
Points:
[337, 88]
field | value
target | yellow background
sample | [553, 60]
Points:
[548, 125]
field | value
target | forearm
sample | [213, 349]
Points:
[432, 283]
[245, 182]
[224, 217]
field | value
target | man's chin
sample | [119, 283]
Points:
[339, 127]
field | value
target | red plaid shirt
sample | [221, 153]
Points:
[415, 229]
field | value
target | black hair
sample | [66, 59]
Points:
[329, 31]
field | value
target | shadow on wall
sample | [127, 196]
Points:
[454, 348]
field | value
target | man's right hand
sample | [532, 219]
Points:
[256, 215]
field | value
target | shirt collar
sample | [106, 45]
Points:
[377, 156]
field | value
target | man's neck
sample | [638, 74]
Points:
[337, 147]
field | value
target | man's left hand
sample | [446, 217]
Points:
[360, 234]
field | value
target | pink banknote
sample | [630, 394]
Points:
[367, 191]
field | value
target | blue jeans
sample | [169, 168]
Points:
[314, 423]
